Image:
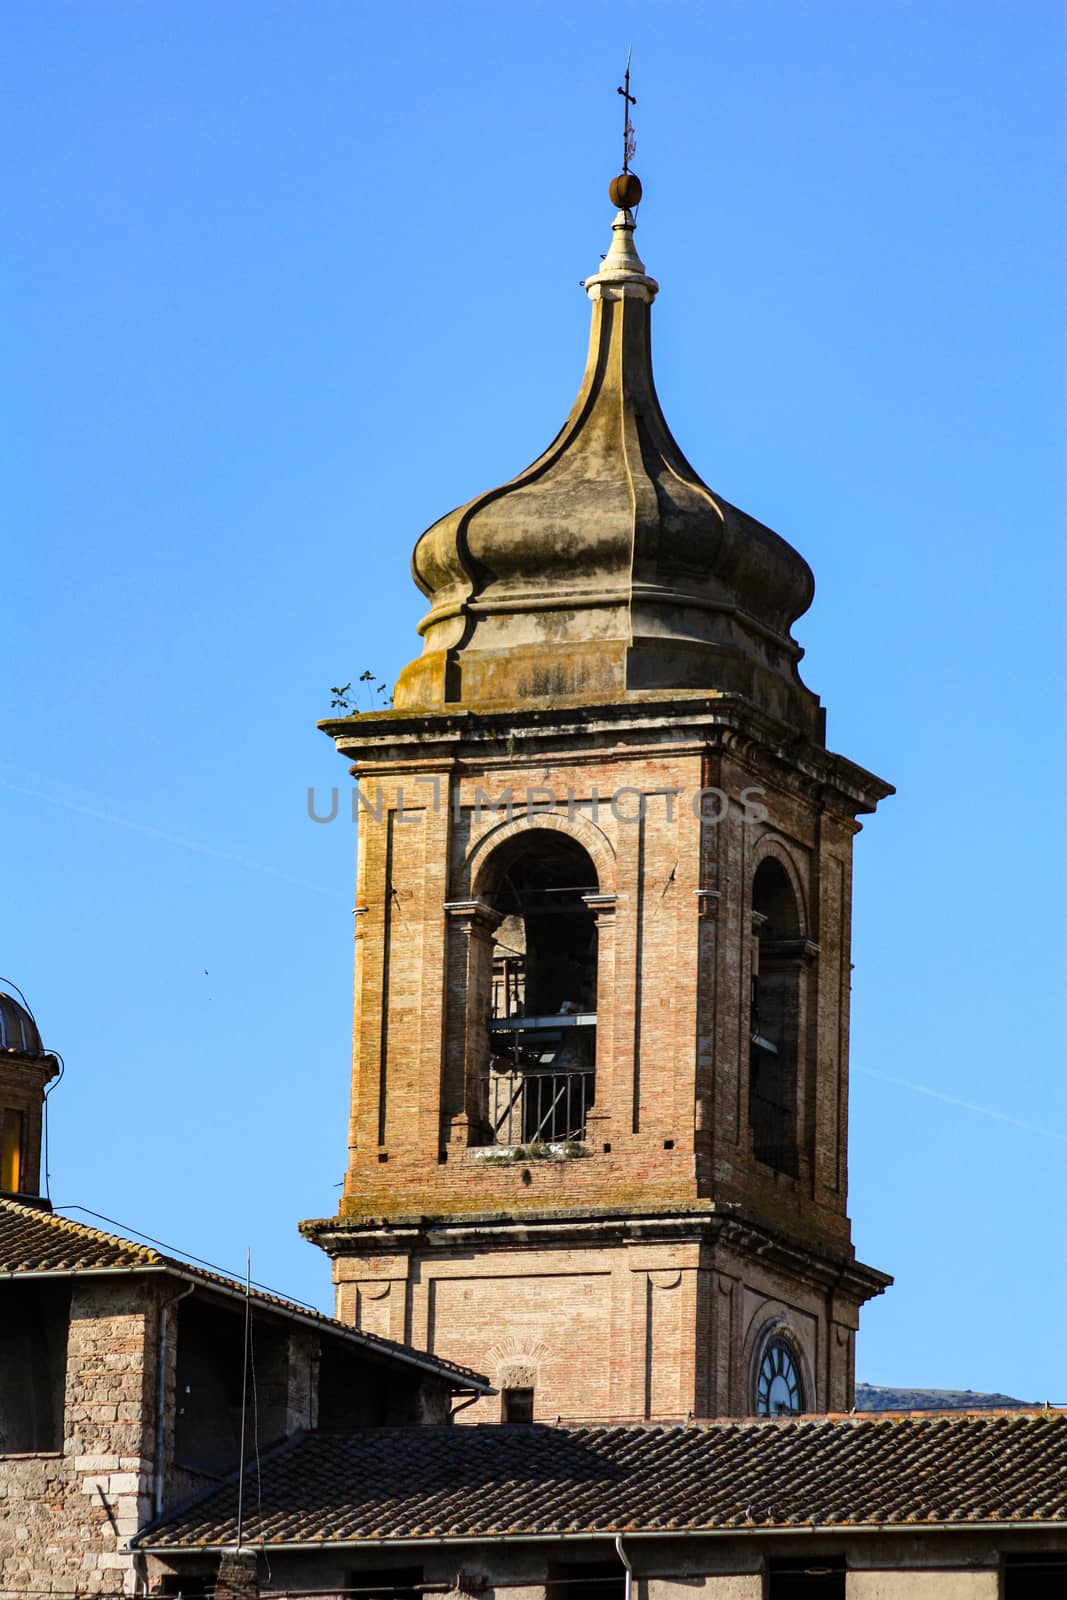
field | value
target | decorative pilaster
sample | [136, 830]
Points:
[598, 1118]
[464, 1109]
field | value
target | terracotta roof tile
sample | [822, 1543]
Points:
[477, 1482]
[35, 1240]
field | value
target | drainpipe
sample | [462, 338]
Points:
[140, 1572]
[624, 1558]
[161, 1395]
[464, 1404]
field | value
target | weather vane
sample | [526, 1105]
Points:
[629, 142]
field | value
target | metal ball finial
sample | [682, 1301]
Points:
[624, 191]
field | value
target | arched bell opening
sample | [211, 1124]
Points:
[775, 1018]
[541, 1023]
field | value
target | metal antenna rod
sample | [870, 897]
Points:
[244, 1401]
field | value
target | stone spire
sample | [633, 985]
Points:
[608, 569]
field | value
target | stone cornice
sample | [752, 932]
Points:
[815, 1263]
[396, 741]
[18, 1064]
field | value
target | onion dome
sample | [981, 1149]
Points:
[608, 569]
[18, 1031]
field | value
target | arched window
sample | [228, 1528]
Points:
[542, 1014]
[775, 1006]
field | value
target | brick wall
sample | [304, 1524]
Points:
[627, 1330]
[670, 1128]
[673, 980]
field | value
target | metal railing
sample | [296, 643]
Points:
[539, 1107]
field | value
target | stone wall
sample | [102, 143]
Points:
[911, 1585]
[66, 1516]
[717, 1586]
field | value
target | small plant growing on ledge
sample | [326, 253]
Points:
[344, 697]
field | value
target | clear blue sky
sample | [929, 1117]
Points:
[282, 284]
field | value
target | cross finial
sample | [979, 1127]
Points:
[629, 142]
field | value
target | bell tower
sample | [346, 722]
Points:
[597, 1146]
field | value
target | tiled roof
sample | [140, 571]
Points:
[34, 1240]
[498, 1481]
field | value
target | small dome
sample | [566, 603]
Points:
[18, 1031]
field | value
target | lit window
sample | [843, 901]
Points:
[10, 1150]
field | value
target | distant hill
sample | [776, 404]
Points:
[872, 1397]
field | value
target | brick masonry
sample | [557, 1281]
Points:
[636, 1279]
